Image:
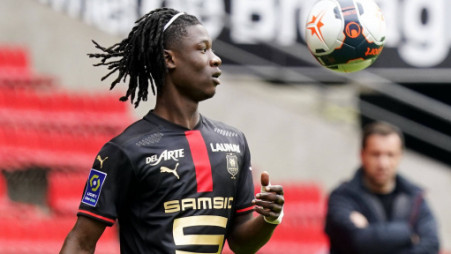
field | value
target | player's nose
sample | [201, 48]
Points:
[215, 60]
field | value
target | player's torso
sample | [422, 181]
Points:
[185, 186]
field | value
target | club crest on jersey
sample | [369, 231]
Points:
[93, 187]
[232, 164]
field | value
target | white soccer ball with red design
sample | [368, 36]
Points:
[345, 35]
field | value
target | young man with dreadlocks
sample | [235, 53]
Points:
[176, 181]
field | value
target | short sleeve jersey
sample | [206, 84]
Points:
[172, 190]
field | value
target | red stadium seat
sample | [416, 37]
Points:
[82, 113]
[22, 148]
[46, 235]
[302, 229]
[62, 101]
[16, 72]
[14, 58]
[65, 190]
[303, 192]
[20, 81]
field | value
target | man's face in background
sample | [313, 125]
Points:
[380, 158]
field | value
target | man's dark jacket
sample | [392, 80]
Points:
[410, 215]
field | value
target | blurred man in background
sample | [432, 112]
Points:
[379, 211]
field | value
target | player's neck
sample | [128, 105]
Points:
[178, 112]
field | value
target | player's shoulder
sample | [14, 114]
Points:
[221, 127]
[136, 133]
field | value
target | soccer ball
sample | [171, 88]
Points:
[345, 35]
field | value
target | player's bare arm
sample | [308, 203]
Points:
[250, 233]
[83, 236]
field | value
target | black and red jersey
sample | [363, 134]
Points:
[172, 190]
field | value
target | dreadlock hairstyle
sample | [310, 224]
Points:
[140, 56]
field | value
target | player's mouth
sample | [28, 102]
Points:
[215, 77]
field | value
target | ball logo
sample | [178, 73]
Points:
[353, 30]
[315, 25]
[373, 51]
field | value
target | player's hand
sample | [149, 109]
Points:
[269, 202]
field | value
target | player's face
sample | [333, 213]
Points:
[196, 69]
[380, 159]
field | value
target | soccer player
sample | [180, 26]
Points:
[176, 181]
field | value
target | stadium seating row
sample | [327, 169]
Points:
[46, 235]
[16, 72]
[23, 148]
[14, 58]
[20, 81]
[63, 111]
[65, 191]
[61, 101]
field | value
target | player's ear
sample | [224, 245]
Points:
[169, 59]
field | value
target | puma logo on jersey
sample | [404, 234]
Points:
[164, 169]
[101, 160]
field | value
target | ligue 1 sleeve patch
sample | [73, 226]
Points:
[93, 187]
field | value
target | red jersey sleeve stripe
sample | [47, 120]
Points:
[201, 161]
[245, 209]
[97, 216]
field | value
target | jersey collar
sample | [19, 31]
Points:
[152, 117]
